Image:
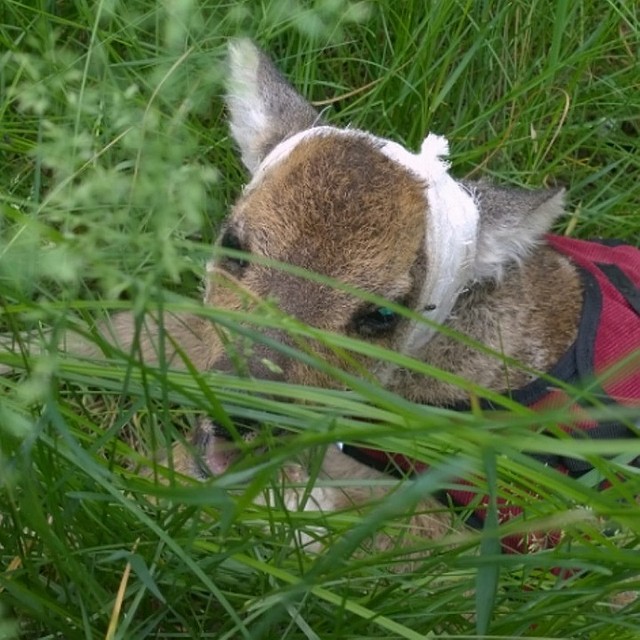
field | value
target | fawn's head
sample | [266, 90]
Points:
[359, 209]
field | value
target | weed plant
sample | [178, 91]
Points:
[115, 170]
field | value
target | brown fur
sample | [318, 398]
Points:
[530, 317]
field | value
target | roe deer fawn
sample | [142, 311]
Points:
[367, 212]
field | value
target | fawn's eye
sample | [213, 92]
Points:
[375, 322]
[232, 264]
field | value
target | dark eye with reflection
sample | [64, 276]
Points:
[375, 322]
[233, 264]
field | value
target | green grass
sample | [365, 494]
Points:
[115, 170]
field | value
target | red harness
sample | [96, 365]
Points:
[606, 350]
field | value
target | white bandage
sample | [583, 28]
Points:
[451, 235]
[451, 222]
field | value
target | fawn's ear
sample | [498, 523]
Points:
[264, 108]
[512, 223]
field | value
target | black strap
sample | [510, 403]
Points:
[623, 284]
[382, 464]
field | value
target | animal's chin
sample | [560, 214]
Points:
[214, 447]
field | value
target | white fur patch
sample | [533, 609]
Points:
[452, 221]
[247, 109]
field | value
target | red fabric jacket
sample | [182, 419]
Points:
[608, 335]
